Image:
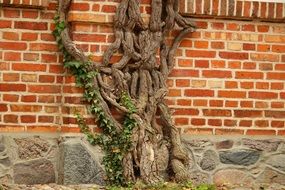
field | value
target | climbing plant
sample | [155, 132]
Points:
[137, 146]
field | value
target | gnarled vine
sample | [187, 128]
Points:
[139, 147]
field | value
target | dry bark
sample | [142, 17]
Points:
[156, 149]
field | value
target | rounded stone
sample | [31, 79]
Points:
[277, 161]
[232, 177]
[209, 161]
[243, 157]
[39, 171]
[269, 176]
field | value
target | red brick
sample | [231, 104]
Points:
[233, 55]
[218, 45]
[3, 108]
[43, 47]
[216, 103]
[10, 97]
[216, 74]
[28, 119]
[262, 123]
[202, 63]
[199, 53]
[260, 132]
[262, 28]
[25, 108]
[230, 123]
[231, 84]
[45, 119]
[275, 114]
[201, 44]
[200, 102]
[13, 45]
[199, 131]
[249, 75]
[184, 73]
[29, 36]
[12, 87]
[44, 89]
[70, 129]
[47, 37]
[182, 82]
[245, 123]
[197, 122]
[215, 122]
[46, 78]
[30, 56]
[248, 46]
[12, 56]
[89, 37]
[246, 9]
[10, 118]
[278, 48]
[31, 25]
[10, 36]
[231, 94]
[182, 111]
[181, 121]
[198, 93]
[246, 104]
[277, 124]
[11, 13]
[30, 14]
[218, 63]
[275, 75]
[247, 113]
[229, 132]
[43, 129]
[279, 10]
[28, 98]
[218, 25]
[79, 6]
[11, 77]
[262, 85]
[28, 67]
[217, 112]
[248, 27]
[109, 8]
[5, 24]
[233, 26]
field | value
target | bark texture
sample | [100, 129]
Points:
[142, 72]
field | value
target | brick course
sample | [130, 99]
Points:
[228, 78]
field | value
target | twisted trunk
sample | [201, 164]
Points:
[142, 72]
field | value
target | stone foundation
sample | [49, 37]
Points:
[232, 161]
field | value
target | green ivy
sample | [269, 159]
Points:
[114, 144]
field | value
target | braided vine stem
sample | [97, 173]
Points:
[156, 152]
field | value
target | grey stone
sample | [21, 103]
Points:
[78, 165]
[232, 177]
[270, 176]
[5, 161]
[197, 143]
[2, 147]
[197, 177]
[239, 157]
[269, 145]
[209, 161]
[277, 161]
[226, 144]
[6, 179]
[39, 171]
[29, 148]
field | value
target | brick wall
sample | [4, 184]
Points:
[229, 75]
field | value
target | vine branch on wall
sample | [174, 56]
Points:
[140, 147]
